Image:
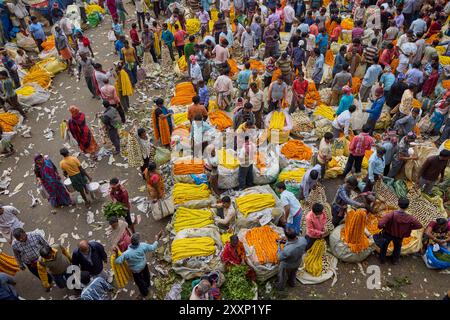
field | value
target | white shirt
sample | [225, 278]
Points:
[343, 121]
[66, 26]
[139, 5]
[196, 73]
[288, 199]
[256, 99]
[9, 221]
[289, 14]
[307, 183]
[224, 5]
[310, 42]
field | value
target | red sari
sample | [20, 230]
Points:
[81, 132]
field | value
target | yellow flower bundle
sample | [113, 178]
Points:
[297, 150]
[180, 118]
[264, 241]
[194, 166]
[416, 104]
[313, 259]
[324, 111]
[277, 120]
[122, 273]
[254, 202]
[25, 91]
[8, 264]
[367, 155]
[445, 60]
[49, 44]
[182, 64]
[225, 237]
[8, 121]
[186, 218]
[184, 192]
[192, 247]
[90, 8]
[40, 77]
[192, 26]
[447, 144]
[353, 232]
[296, 175]
[227, 159]
[220, 120]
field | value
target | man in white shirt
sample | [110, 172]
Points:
[223, 87]
[246, 156]
[9, 221]
[419, 25]
[140, 15]
[342, 122]
[289, 16]
[256, 97]
[292, 209]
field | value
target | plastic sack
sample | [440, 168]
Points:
[329, 265]
[196, 267]
[111, 36]
[48, 54]
[432, 261]
[162, 156]
[425, 124]
[162, 208]
[55, 66]
[268, 174]
[412, 167]
[26, 43]
[341, 250]
[39, 96]
[228, 178]
[358, 118]
[93, 19]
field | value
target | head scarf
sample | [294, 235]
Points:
[74, 110]
[38, 156]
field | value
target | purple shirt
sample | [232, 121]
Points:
[357, 33]
[399, 20]
[414, 76]
[274, 18]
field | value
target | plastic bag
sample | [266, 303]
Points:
[39, 96]
[26, 43]
[55, 66]
[93, 19]
[433, 262]
[162, 156]
[162, 208]
[111, 36]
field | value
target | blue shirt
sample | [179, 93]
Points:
[205, 4]
[244, 79]
[97, 290]
[289, 199]
[414, 76]
[345, 103]
[203, 94]
[135, 256]
[389, 148]
[375, 110]
[371, 75]
[256, 28]
[338, 63]
[119, 45]
[167, 37]
[387, 80]
[298, 56]
[376, 166]
[322, 41]
[37, 31]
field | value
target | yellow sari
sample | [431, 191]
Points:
[123, 84]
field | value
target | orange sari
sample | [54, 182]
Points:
[162, 131]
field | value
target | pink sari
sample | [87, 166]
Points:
[111, 4]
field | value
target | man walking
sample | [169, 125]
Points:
[111, 121]
[137, 261]
[290, 258]
[55, 259]
[90, 256]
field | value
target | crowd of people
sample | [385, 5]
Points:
[375, 57]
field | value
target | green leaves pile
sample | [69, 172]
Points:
[114, 209]
[237, 286]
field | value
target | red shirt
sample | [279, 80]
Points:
[134, 36]
[360, 144]
[179, 37]
[399, 224]
[300, 88]
[336, 32]
[121, 195]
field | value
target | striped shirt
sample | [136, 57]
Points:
[370, 53]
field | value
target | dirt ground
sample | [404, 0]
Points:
[351, 283]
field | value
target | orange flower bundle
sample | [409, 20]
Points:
[184, 92]
[356, 85]
[276, 74]
[312, 97]
[417, 104]
[260, 161]
[220, 120]
[297, 150]
[263, 240]
[329, 58]
[258, 65]
[446, 84]
[194, 166]
[432, 38]
[233, 66]
[394, 64]
[372, 224]
[353, 232]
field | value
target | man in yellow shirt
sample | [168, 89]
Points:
[71, 168]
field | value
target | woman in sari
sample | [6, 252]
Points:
[81, 132]
[120, 235]
[111, 4]
[48, 177]
[123, 86]
[162, 122]
[155, 182]
[157, 33]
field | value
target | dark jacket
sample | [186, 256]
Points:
[98, 255]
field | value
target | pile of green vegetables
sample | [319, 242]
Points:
[442, 256]
[237, 286]
[114, 209]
